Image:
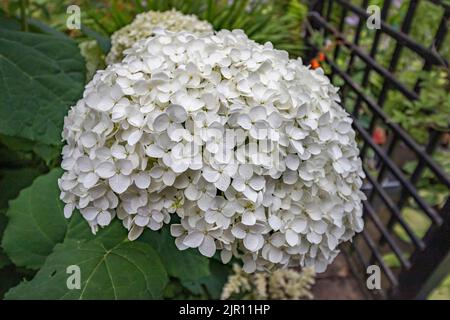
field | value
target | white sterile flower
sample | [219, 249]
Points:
[202, 238]
[250, 151]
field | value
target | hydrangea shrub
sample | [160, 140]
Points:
[241, 149]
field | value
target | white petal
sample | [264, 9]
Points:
[314, 237]
[125, 166]
[105, 170]
[176, 230]
[225, 256]
[244, 121]
[246, 171]
[104, 218]
[118, 152]
[204, 203]
[258, 113]
[248, 218]
[275, 120]
[154, 151]
[275, 255]
[238, 232]
[68, 210]
[134, 137]
[210, 174]
[223, 183]
[257, 183]
[292, 161]
[299, 225]
[142, 180]
[85, 164]
[192, 193]
[295, 133]
[161, 122]
[90, 180]
[238, 184]
[250, 194]
[194, 239]
[274, 222]
[99, 101]
[156, 172]
[141, 221]
[208, 247]
[88, 139]
[177, 113]
[251, 241]
[89, 213]
[291, 237]
[135, 232]
[168, 177]
[119, 183]
[180, 245]
[325, 133]
[180, 166]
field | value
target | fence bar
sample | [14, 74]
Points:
[441, 175]
[385, 233]
[419, 281]
[365, 57]
[395, 211]
[425, 53]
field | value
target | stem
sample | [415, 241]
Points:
[23, 15]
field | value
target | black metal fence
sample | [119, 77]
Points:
[421, 260]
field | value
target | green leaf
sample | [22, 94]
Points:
[14, 180]
[46, 152]
[109, 269]
[186, 265]
[4, 260]
[213, 283]
[36, 222]
[41, 76]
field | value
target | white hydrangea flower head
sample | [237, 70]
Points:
[143, 25]
[243, 150]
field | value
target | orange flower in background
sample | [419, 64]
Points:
[379, 136]
[321, 57]
[315, 64]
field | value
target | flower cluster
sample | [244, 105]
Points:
[143, 25]
[251, 150]
[283, 284]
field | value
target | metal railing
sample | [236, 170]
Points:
[423, 260]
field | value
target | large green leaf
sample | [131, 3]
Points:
[186, 265]
[36, 222]
[41, 76]
[111, 267]
[4, 261]
[48, 153]
[212, 285]
[14, 180]
[11, 182]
